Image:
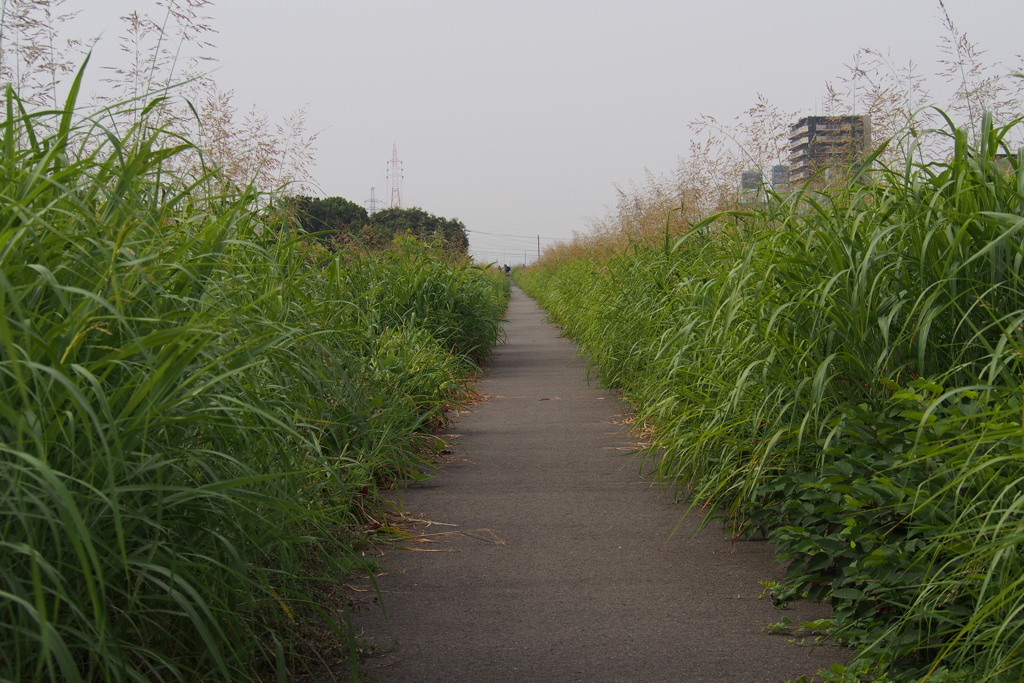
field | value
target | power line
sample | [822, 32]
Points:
[520, 237]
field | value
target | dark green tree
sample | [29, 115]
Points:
[330, 218]
[387, 224]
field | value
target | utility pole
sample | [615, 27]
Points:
[538, 247]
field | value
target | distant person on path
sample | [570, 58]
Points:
[506, 269]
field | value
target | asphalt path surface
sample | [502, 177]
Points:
[543, 553]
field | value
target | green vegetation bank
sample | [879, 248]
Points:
[844, 370]
[198, 408]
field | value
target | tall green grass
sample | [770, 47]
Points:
[196, 416]
[844, 370]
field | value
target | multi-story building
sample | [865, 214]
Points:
[818, 143]
[751, 187]
[780, 178]
[751, 180]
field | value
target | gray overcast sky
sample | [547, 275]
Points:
[519, 118]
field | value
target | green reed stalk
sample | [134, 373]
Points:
[844, 370]
[194, 416]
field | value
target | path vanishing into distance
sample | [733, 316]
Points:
[542, 554]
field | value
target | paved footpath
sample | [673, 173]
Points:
[548, 557]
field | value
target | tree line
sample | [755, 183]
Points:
[337, 222]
